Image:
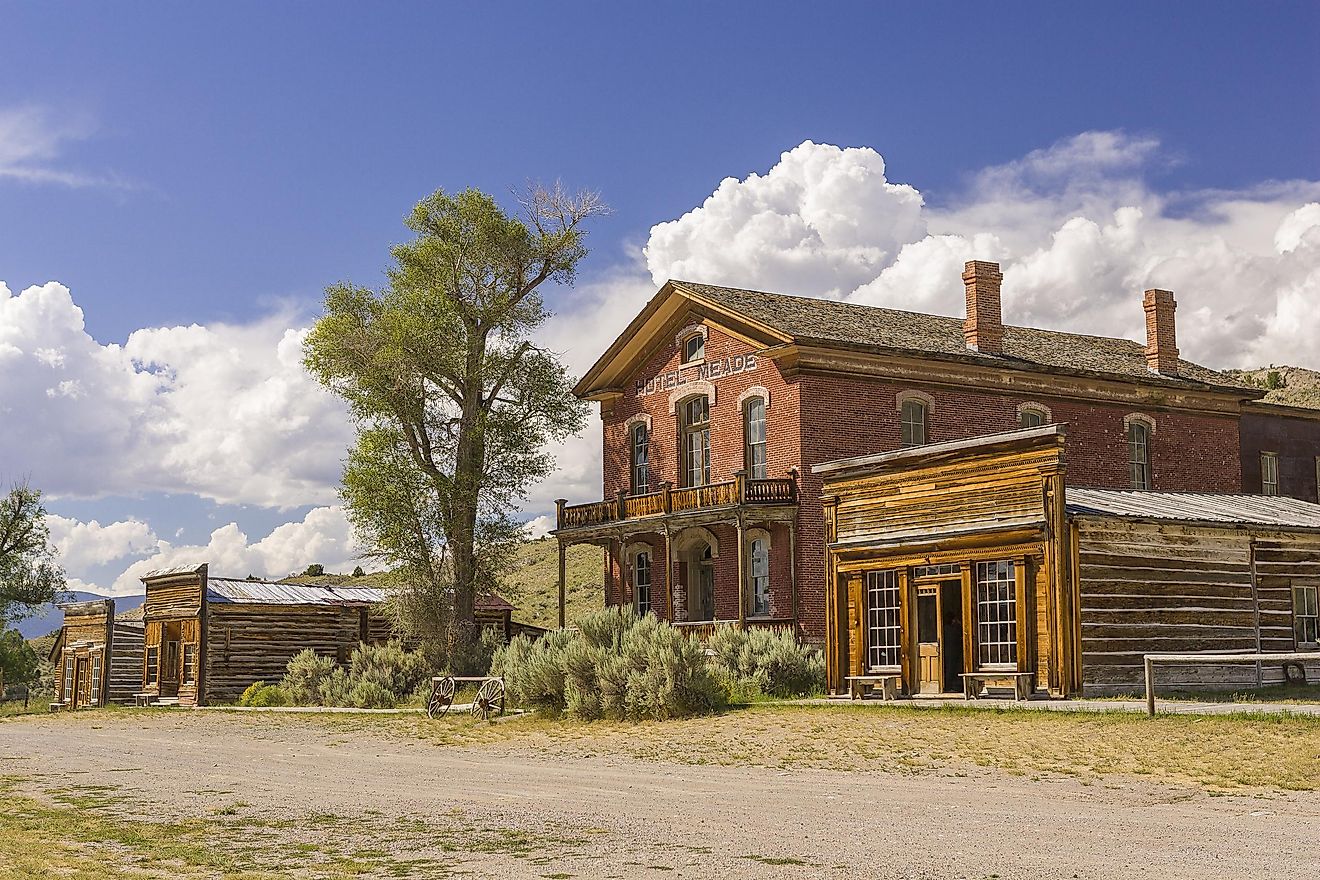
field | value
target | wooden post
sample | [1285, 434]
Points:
[740, 478]
[1150, 686]
[742, 564]
[559, 512]
[623, 504]
[792, 576]
[666, 501]
[562, 597]
[669, 577]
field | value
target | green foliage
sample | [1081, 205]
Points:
[336, 688]
[315, 570]
[29, 574]
[372, 695]
[454, 403]
[615, 665]
[769, 662]
[1274, 380]
[261, 694]
[358, 572]
[20, 666]
[304, 676]
[385, 669]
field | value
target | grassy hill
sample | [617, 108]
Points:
[1290, 386]
[532, 584]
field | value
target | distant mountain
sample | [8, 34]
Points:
[50, 618]
[1290, 386]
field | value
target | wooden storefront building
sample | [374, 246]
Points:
[975, 560]
[207, 638]
[96, 657]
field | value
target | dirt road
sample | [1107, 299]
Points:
[604, 816]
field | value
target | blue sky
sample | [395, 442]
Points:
[174, 164]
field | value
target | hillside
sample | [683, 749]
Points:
[532, 585]
[1289, 386]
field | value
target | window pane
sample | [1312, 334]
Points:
[642, 582]
[754, 431]
[913, 423]
[694, 348]
[882, 618]
[641, 447]
[1139, 454]
[1031, 418]
[1269, 473]
[760, 574]
[996, 613]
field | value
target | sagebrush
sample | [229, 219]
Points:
[615, 665]
[382, 676]
[765, 662]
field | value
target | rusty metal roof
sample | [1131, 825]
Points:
[1262, 510]
[245, 592]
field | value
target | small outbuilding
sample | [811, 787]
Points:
[96, 657]
[955, 565]
[207, 638]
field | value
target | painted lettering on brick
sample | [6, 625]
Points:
[708, 371]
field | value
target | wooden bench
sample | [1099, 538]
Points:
[1024, 683]
[141, 700]
[56, 706]
[889, 682]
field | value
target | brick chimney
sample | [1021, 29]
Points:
[984, 328]
[1161, 341]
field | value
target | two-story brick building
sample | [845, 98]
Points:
[717, 401]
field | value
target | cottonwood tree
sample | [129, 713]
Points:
[454, 399]
[29, 575]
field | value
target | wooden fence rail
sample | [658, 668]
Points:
[1173, 659]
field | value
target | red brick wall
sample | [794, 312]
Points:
[817, 418]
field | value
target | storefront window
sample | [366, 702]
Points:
[884, 629]
[996, 614]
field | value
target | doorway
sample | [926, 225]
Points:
[940, 637]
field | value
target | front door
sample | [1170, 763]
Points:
[81, 688]
[928, 640]
[169, 662]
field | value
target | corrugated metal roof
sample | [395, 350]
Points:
[178, 569]
[241, 591]
[1265, 510]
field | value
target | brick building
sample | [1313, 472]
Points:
[717, 401]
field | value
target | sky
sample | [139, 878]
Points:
[180, 183]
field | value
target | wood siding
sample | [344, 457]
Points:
[125, 678]
[249, 642]
[1147, 588]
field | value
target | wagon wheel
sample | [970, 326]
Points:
[442, 697]
[489, 699]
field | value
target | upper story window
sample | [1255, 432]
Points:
[913, 417]
[694, 348]
[641, 454]
[1138, 440]
[1269, 473]
[696, 441]
[754, 448]
[1032, 417]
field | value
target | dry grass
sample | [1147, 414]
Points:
[1218, 753]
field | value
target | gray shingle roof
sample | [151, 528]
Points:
[808, 319]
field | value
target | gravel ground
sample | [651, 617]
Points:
[607, 816]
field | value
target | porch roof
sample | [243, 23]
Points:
[1229, 509]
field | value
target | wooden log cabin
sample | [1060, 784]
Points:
[972, 562]
[207, 638]
[96, 657]
[716, 402]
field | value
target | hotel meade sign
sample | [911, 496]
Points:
[709, 370]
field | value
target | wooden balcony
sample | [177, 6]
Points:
[779, 491]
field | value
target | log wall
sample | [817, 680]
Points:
[1148, 588]
[125, 678]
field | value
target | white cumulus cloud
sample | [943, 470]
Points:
[83, 545]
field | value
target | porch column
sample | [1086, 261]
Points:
[669, 577]
[561, 583]
[742, 576]
[792, 574]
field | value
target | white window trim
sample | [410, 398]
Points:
[691, 389]
[1269, 455]
[755, 391]
[1032, 406]
[1139, 418]
[903, 397]
[643, 418]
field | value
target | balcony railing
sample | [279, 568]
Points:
[779, 490]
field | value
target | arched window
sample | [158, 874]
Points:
[641, 453]
[642, 581]
[758, 570]
[696, 440]
[754, 438]
[694, 348]
[1031, 415]
[1138, 437]
[913, 423]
